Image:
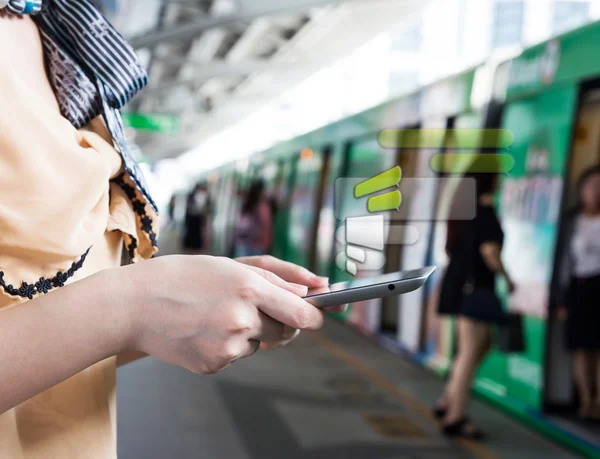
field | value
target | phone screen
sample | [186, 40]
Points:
[367, 281]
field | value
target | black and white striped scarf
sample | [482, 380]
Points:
[91, 67]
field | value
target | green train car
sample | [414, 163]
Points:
[549, 98]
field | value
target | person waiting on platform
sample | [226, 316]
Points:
[580, 305]
[195, 219]
[254, 229]
[468, 294]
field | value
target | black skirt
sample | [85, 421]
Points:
[583, 325]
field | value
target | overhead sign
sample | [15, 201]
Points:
[151, 122]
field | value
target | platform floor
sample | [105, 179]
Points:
[329, 395]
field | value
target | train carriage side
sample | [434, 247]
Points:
[549, 98]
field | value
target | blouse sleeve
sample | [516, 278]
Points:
[55, 183]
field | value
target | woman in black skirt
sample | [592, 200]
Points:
[581, 293]
[468, 293]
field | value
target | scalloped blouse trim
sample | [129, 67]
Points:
[43, 285]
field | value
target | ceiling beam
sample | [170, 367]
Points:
[248, 10]
[222, 68]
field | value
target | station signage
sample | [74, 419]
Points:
[159, 123]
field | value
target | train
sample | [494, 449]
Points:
[548, 97]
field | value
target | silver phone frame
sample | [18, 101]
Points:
[371, 292]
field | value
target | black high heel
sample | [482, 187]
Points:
[458, 429]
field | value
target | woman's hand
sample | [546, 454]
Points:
[291, 273]
[203, 313]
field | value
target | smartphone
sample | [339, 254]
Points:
[369, 288]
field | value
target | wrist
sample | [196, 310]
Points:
[117, 310]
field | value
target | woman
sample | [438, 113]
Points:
[253, 233]
[72, 197]
[195, 219]
[467, 293]
[581, 292]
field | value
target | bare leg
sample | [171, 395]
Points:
[444, 400]
[473, 346]
[582, 376]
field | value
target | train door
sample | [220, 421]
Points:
[320, 196]
[560, 396]
[365, 159]
[304, 206]
[528, 204]
[216, 221]
[283, 190]
[418, 208]
[270, 175]
[327, 223]
[241, 178]
[406, 158]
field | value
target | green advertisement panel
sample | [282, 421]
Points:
[529, 208]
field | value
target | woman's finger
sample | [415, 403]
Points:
[274, 279]
[287, 308]
[270, 331]
[286, 270]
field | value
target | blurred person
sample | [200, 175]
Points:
[255, 226]
[172, 206]
[468, 294]
[75, 208]
[195, 219]
[580, 302]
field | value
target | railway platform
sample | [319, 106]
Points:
[329, 395]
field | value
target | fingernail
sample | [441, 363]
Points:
[302, 289]
[323, 280]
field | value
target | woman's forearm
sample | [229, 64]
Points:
[491, 256]
[52, 338]
[129, 357]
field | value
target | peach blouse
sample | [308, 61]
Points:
[66, 212]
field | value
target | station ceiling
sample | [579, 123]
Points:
[214, 62]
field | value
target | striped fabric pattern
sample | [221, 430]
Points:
[93, 70]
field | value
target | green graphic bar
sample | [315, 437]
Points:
[470, 163]
[387, 201]
[380, 182]
[441, 138]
